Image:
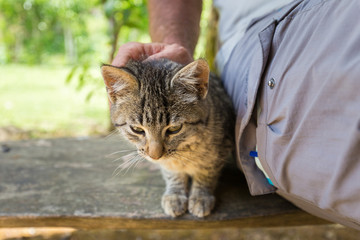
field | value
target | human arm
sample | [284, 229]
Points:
[174, 29]
[175, 21]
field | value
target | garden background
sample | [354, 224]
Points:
[50, 86]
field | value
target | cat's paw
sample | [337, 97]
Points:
[201, 205]
[174, 204]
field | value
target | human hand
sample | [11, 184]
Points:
[148, 51]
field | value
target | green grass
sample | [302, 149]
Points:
[36, 99]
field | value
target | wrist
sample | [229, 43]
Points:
[171, 39]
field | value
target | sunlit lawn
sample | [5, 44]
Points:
[36, 99]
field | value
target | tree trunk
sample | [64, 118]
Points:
[115, 29]
[211, 38]
[70, 48]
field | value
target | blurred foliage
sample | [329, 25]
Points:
[74, 31]
[131, 15]
[33, 30]
[126, 21]
[80, 33]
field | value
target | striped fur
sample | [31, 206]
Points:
[149, 100]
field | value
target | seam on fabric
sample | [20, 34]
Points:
[266, 107]
[263, 84]
[303, 11]
[270, 171]
[243, 155]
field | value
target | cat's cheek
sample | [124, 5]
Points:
[190, 143]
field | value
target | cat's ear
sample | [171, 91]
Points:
[192, 80]
[119, 83]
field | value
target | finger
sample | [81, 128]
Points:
[173, 53]
[136, 51]
[120, 60]
[153, 48]
[131, 50]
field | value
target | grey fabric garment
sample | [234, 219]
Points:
[235, 16]
[302, 66]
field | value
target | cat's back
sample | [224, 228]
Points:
[222, 111]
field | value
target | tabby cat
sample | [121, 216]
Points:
[179, 119]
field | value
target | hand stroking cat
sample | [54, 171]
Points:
[178, 117]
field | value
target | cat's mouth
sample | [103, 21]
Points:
[165, 156]
[156, 155]
[156, 158]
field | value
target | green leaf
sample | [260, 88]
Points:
[81, 82]
[71, 74]
[89, 96]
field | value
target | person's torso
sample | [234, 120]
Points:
[235, 16]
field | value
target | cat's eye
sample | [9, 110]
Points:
[174, 129]
[137, 130]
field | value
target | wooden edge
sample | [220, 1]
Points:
[284, 220]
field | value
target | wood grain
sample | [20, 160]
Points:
[71, 183]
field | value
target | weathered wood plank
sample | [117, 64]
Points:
[70, 183]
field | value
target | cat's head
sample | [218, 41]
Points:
[158, 105]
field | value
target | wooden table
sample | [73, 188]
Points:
[71, 183]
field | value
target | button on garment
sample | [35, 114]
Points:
[271, 83]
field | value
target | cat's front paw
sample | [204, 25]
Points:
[174, 204]
[201, 205]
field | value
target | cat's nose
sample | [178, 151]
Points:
[155, 150]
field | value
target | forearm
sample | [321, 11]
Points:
[175, 21]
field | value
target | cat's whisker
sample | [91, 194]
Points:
[118, 159]
[138, 162]
[130, 156]
[115, 172]
[122, 151]
[123, 165]
[120, 168]
[126, 157]
[111, 133]
[132, 160]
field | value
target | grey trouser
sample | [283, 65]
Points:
[295, 83]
